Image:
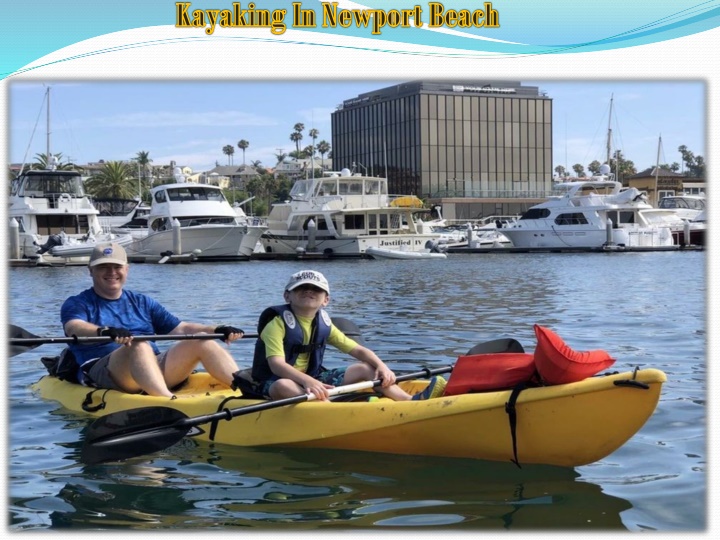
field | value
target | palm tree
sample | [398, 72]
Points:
[313, 135]
[323, 148]
[308, 151]
[229, 150]
[280, 156]
[41, 162]
[115, 179]
[296, 137]
[143, 159]
[242, 145]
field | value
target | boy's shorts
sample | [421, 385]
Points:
[328, 376]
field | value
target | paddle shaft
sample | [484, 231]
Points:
[106, 339]
[31, 340]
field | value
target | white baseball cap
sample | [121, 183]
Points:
[308, 277]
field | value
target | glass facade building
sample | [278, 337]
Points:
[439, 139]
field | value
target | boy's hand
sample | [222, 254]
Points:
[318, 388]
[386, 374]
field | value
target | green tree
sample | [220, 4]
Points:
[143, 159]
[229, 150]
[280, 156]
[296, 137]
[561, 172]
[263, 187]
[242, 145]
[313, 135]
[579, 170]
[675, 167]
[594, 167]
[308, 151]
[41, 163]
[115, 179]
[323, 148]
[258, 166]
[694, 165]
[623, 168]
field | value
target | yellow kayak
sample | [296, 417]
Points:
[566, 425]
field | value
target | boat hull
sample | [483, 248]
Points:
[572, 237]
[346, 245]
[566, 425]
[213, 241]
[380, 253]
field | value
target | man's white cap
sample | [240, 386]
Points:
[308, 277]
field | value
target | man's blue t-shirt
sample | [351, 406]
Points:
[140, 314]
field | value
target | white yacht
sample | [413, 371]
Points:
[343, 215]
[116, 212]
[193, 218]
[52, 220]
[594, 213]
[686, 206]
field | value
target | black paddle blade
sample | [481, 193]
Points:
[501, 345]
[349, 328]
[132, 433]
[15, 332]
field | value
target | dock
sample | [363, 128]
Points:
[601, 249]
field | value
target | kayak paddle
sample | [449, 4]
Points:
[22, 341]
[136, 432]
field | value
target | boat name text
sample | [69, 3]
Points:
[332, 16]
[400, 242]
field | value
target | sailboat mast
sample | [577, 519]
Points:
[657, 170]
[609, 136]
[47, 155]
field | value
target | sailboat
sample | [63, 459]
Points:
[52, 220]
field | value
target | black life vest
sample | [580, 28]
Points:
[293, 341]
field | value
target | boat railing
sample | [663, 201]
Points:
[492, 194]
[481, 222]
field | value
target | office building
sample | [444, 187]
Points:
[475, 146]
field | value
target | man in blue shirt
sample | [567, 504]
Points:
[131, 366]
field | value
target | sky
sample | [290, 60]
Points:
[189, 122]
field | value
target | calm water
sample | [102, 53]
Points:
[645, 309]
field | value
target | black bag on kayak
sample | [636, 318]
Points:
[64, 367]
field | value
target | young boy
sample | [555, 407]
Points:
[289, 353]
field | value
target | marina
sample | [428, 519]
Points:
[605, 431]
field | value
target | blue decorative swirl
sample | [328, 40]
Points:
[527, 27]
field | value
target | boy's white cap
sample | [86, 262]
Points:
[310, 277]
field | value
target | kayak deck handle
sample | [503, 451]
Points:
[634, 383]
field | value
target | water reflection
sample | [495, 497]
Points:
[203, 486]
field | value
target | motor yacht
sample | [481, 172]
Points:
[343, 215]
[594, 213]
[192, 218]
[52, 220]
